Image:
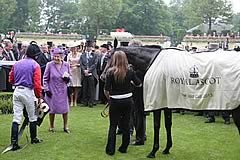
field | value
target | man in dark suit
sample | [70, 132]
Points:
[8, 55]
[102, 62]
[88, 64]
[7, 52]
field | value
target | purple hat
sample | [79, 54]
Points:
[56, 51]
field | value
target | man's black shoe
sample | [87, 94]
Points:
[110, 153]
[227, 122]
[84, 104]
[198, 114]
[15, 147]
[122, 150]
[119, 132]
[137, 143]
[35, 141]
[210, 120]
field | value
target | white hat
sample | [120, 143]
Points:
[72, 44]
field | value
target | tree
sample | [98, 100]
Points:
[51, 14]
[98, 14]
[144, 17]
[207, 11]
[7, 8]
[178, 27]
[20, 16]
[236, 22]
[34, 14]
[70, 19]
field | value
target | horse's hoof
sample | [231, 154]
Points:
[151, 155]
[166, 152]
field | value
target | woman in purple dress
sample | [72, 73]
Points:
[55, 80]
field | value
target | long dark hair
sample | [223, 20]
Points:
[119, 66]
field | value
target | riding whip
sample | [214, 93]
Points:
[105, 111]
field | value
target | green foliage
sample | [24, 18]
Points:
[90, 17]
[20, 16]
[197, 32]
[144, 17]
[98, 14]
[225, 32]
[34, 16]
[192, 139]
[207, 11]
[236, 22]
[69, 20]
[7, 8]
[51, 12]
[178, 28]
[6, 104]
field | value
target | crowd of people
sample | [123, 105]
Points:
[77, 67]
[58, 68]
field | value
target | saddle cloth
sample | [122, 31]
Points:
[201, 81]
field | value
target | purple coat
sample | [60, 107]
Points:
[53, 82]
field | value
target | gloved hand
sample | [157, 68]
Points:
[66, 79]
[49, 94]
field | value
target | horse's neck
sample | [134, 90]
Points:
[141, 59]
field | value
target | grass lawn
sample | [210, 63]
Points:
[192, 139]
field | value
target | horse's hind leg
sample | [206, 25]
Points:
[156, 119]
[168, 126]
[236, 118]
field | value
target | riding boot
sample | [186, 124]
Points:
[14, 136]
[33, 133]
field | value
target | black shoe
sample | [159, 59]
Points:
[119, 132]
[138, 143]
[227, 122]
[66, 130]
[122, 150]
[198, 114]
[210, 120]
[90, 105]
[110, 153]
[84, 104]
[35, 141]
[15, 147]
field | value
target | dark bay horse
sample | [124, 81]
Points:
[141, 58]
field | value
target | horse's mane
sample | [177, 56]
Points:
[179, 49]
[153, 46]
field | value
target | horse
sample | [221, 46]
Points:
[141, 58]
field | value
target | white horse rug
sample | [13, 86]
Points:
[202, 81]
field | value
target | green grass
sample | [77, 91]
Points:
[192, 139]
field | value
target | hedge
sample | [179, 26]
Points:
[6, 105]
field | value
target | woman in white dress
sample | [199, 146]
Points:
[73, 59]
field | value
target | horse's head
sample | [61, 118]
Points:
[140, 57]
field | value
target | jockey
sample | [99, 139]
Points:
[25, 75]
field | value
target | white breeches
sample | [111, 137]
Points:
[24, 97]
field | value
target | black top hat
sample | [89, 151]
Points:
[89, 43]
[104, 46]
